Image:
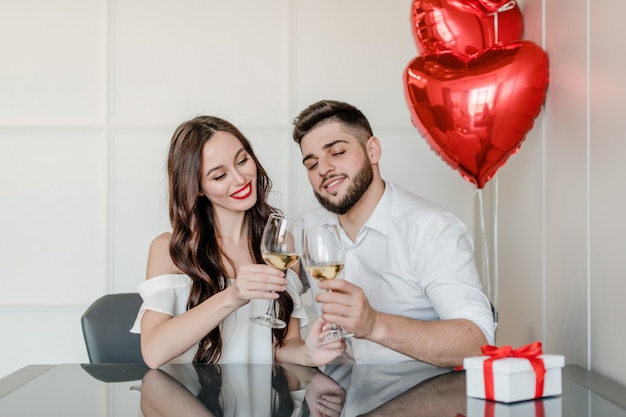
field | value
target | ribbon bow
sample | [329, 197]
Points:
[530, 352]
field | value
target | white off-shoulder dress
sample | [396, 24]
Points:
[242, 340]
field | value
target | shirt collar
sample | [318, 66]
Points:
[379, 219]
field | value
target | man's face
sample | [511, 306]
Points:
[337, 165]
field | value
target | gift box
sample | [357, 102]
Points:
[545, 407]
[509, 375]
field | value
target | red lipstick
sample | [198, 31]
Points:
[243, 193]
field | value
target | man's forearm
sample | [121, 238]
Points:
[441, 342]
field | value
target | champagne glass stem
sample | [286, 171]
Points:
[335, 332]
[333, 326]
[271, 309]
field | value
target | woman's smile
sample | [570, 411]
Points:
[243, 192]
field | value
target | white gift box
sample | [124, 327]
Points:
[513, 378]
[546, 407]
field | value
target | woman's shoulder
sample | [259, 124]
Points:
[162, 241]
[159, 259]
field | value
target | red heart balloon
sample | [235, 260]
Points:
[464, 27]
[475, 112]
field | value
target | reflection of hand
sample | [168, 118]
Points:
[321, 354]
[324, 396]
[347, 306]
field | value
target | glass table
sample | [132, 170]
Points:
[117, 390]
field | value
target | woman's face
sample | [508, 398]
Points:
[228, 177]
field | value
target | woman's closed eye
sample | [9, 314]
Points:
[219, 177]
[243, 160]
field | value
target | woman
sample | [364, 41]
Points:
[206, 278]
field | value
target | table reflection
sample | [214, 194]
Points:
[291, 390]
[124, 390]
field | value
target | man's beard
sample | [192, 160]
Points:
[359, 186]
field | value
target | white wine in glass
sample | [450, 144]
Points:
[282, 261]
[324, 259]
[322, 272]
[281, 246]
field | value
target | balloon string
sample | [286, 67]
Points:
[491, 285]
[495, 248]
[485, 251]
[495, 26]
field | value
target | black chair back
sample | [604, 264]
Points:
[106, 324]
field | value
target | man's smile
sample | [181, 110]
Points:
[332, 183]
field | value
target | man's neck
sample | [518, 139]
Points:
[355, 218]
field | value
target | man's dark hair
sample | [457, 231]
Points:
[328, 111]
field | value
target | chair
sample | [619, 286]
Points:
[106, 324]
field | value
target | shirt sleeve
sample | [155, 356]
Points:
[295, 288]
[458, 301]
[166, 294]
[451, 279]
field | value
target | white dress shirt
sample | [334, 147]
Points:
[412, 259]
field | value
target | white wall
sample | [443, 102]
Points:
[91, 91]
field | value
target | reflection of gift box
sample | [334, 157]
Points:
[509, 375]
[545, 407]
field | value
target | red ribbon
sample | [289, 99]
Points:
[530, 352]
[490, 409]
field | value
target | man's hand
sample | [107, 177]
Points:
[347, 306]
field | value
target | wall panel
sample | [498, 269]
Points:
[53, 221]
[53, 63]
[139, 200]
[607, 198]
[174, 60]
[520, 245]
[566, 187]
[40, 335]
[344, 53]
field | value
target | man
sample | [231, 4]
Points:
[411, 289]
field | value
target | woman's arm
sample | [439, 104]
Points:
[164, 337]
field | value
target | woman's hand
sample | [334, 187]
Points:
[324, 396]
[259, 281]
[322, 353]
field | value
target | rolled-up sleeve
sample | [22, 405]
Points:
[454, 300]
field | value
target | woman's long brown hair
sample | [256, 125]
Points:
[194, 247]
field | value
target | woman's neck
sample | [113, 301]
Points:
[232, 227]
[232, 234]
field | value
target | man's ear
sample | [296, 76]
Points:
[373, 149]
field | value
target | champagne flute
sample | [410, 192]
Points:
[281, 246]
[324, 259]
